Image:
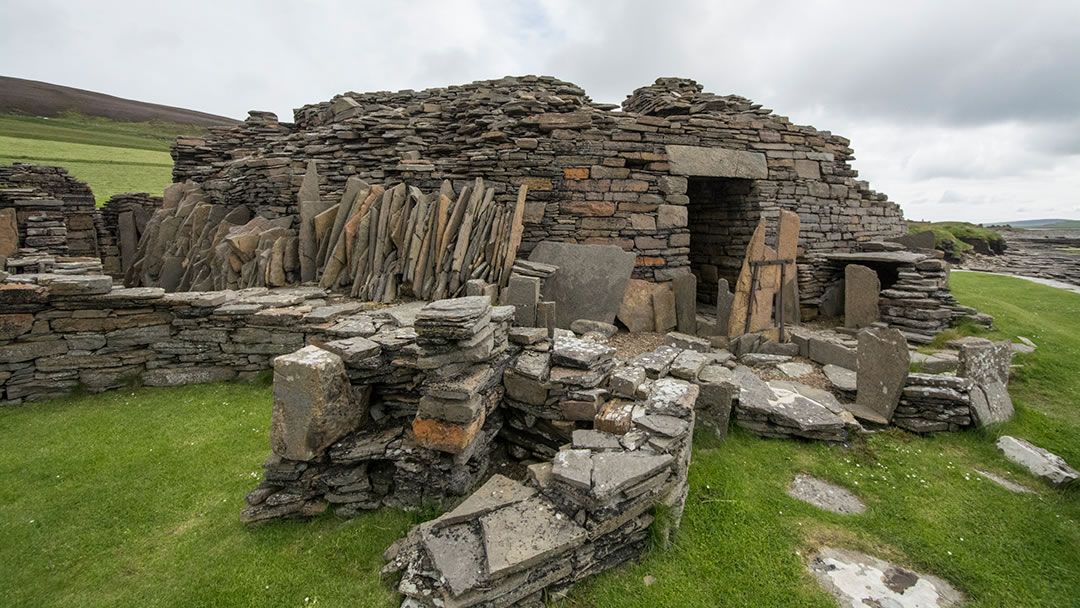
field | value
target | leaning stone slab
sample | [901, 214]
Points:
[313, 404]
[857, 580]
[884, 364]
[862, 290]
[1040, 462]
[987, 365]
[825, 495]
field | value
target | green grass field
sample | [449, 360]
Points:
[110, 156]
[132, 498]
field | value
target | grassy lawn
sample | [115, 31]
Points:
[132, 498]
[111, 156]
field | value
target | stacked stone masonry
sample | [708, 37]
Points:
[595, 174]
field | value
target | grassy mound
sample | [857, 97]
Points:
[958, 238]
[132, 498]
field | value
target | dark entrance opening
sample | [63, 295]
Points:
[722, 214]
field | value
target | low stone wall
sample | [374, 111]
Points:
[61, 332]
[55, 212]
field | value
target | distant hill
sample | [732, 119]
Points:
[1055, 224]
[33, 98]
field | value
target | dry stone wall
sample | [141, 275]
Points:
[55, 212]
[595, 174]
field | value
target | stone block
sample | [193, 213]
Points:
[716, 162]
[1041, 463]
[685, 288]
[313, 403]
[671, 216]
[523, 293]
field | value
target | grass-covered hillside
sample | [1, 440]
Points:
[958, 238]
[109, 155]
[133, 498]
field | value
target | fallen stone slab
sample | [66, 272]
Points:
[1040, 462]
[496, 493]
[824, 495]
[858, 580]
[795, 369]
[841, 377]
[526, 533]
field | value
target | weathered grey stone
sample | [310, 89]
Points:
[841, 377]
[353, 350]
[15, 325]
[669, 426]
[862, 290]
[591, 439]
[987, 365]
[76, 285]
[857, 579]
[883, 368]
[18, 352]
[523, 293]
[574, 468]
[687, 341]
[624, 381]
[1043, 464]
[590, 282]
[826, 352]
[824, 495]
[574, 352]
[526, 533]
[457, 552]
[313, 403]
[546, 317]
[458, 411]
[527, 335]
[588, 326]
[657, 362]
[716, 162]
[688, 364]
[615, 471]
[795, 369]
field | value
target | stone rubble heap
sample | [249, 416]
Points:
[586, 511]
[785, 414]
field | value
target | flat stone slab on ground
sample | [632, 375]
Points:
[825, 495]
[858, 580]
[526, 533]
[1040, 462]
[496, 493]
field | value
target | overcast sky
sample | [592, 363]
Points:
[956, 110]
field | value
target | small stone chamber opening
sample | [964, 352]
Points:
[722, 215]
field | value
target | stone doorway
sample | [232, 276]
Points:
[722, 214]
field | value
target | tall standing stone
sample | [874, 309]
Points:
[884, 363]
[310, 206]
[129, 239]
[685, 287]
[862, 289]
[313, 404]
[523, 293]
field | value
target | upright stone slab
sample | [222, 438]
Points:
[9, 233]
[313, 404]
[590, 282]
[129, 239]
[523, 293]
[663, 305]
[862, 289]
[883, 366]
[635, 311]
[310, 206]
[724, 298]
[987, 365]
[685, 288]
[545, 317]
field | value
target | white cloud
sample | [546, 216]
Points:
[979, 100]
